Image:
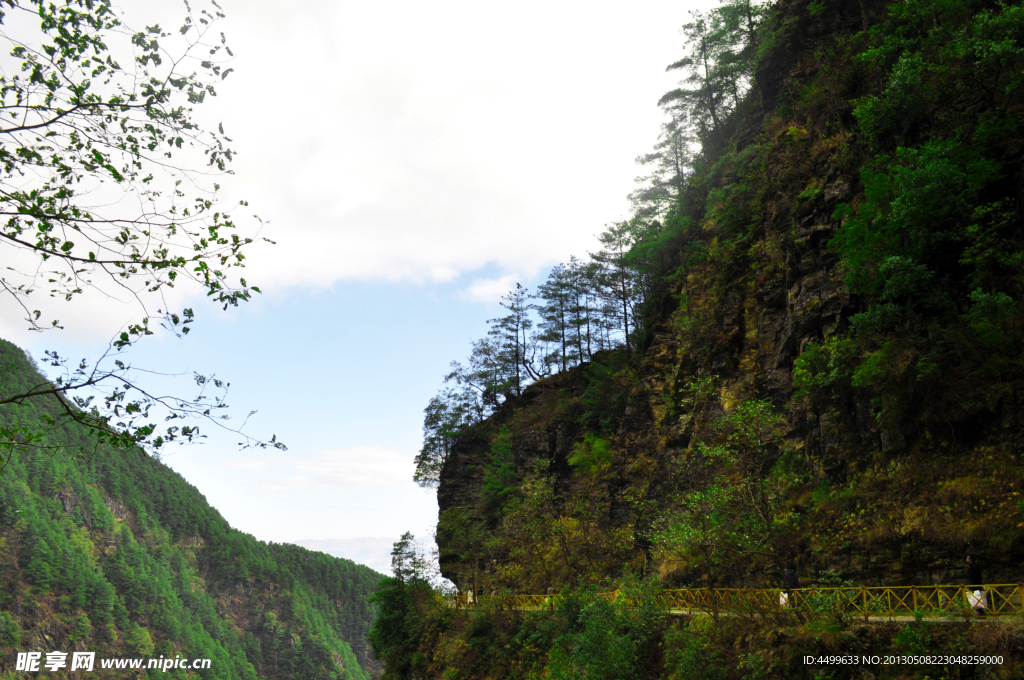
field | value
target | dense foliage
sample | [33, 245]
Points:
[111, 551]
[586, 635]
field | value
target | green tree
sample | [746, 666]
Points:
[734, 488]
[10, 631]
[708, 86]
[444, 418]
[501, 474]
[108, 183]
[583, 308]
[394, 635]
[671, 161]
[754, 432]
[555, 314]
[502, 364]
[722, 47]
[511, 335]
[607, 640]
[487, 373]
[741, 22]
[568, 311]
[617, 279]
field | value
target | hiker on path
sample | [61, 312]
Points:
[549, 600]
[974, 579]
[789, 576]
[791, 582]
[975, 589]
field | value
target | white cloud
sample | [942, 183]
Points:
[414, 141]
[490, 290]
[357, 466]
[418, 142]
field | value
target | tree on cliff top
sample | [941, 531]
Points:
[108, 184]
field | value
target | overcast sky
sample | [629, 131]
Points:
[414, 160]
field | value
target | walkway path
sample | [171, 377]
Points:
[876, 604]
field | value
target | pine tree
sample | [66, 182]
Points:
[722, 49]
[704, 99]
[516, 349]
[583, 285]
[616, 279]
[672, 159]
[558, 296]
[445, 416]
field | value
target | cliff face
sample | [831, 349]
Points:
[886, 449]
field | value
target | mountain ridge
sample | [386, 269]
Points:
[111, 551]
[370, 551]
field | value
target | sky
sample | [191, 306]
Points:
[412, 161]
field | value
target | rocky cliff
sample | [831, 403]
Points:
[894, 448]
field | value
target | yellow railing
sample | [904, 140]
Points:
[878, 602]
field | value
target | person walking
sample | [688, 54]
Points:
[974, 579]
[789, 576]
[549, 601]
[791, 582]
[975, 586]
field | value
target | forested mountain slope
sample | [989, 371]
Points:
[824, 368]
[111, 551]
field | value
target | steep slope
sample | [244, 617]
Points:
[113, 552]
[884, 368]
[832, 378]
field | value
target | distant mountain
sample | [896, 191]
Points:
[374, 552]
[111, 551]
